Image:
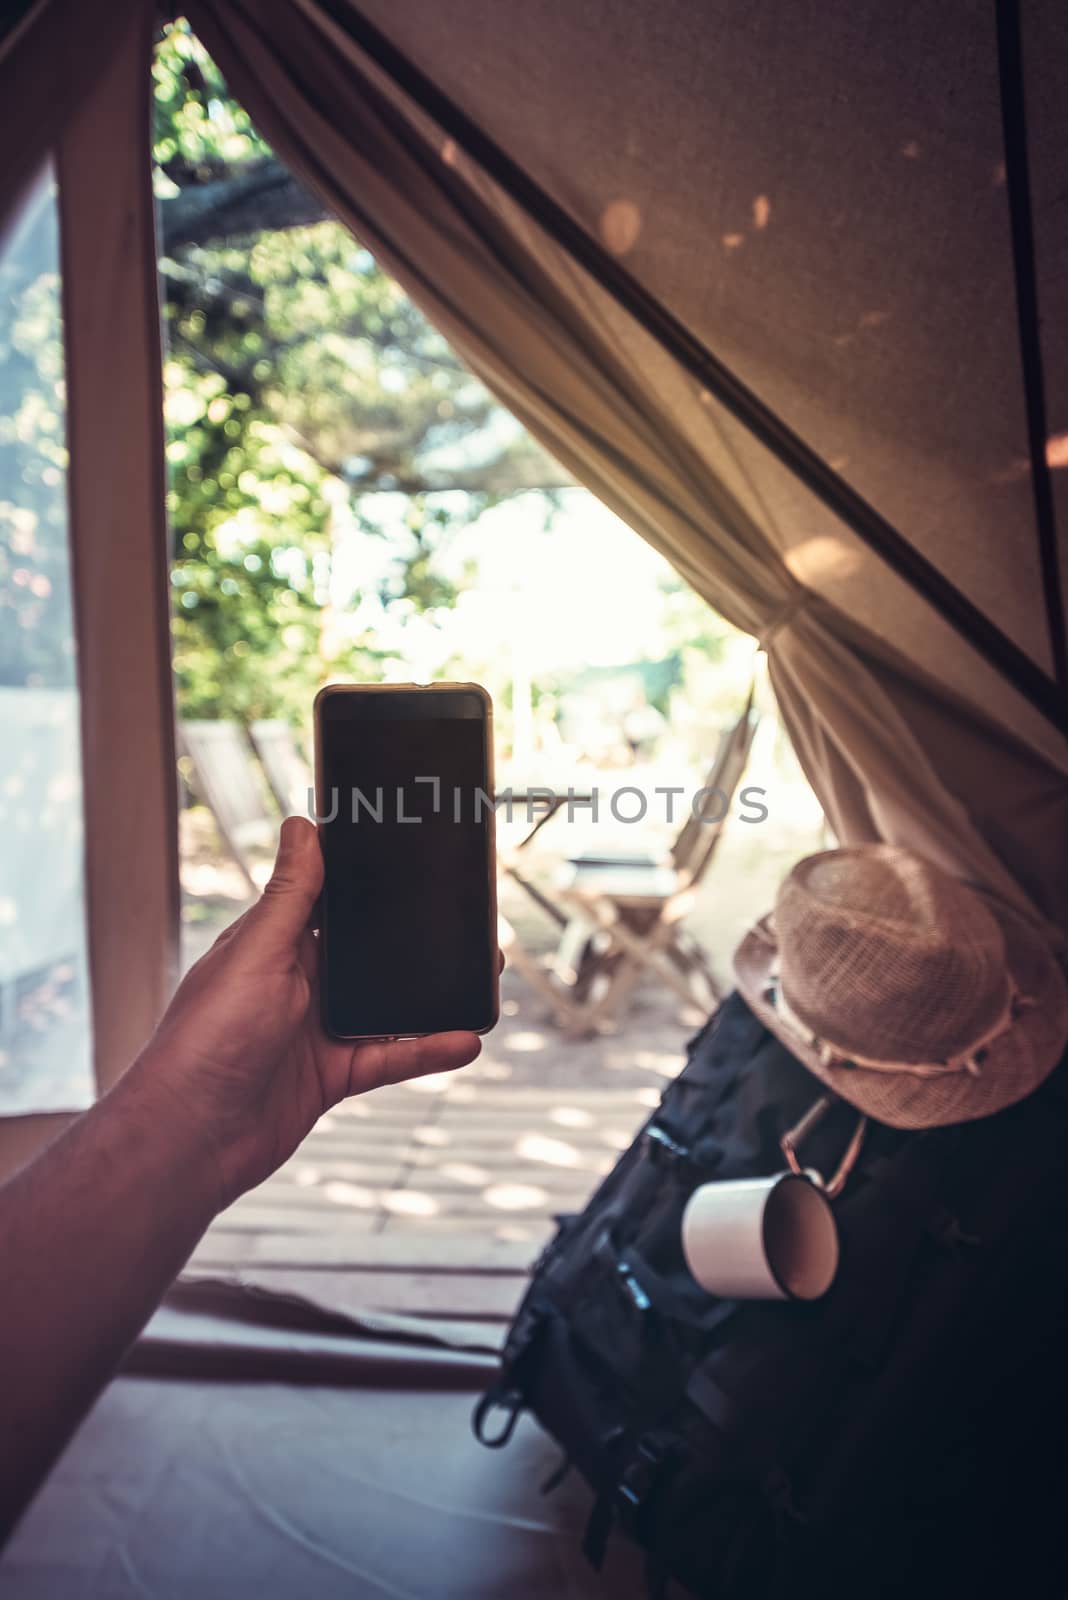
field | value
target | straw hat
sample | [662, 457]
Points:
[910, 995]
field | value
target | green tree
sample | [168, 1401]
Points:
[303, 389]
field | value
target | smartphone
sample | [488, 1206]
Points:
[404, 801]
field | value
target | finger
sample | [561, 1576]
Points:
[290, 896]
[397, 1060]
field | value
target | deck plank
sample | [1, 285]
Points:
[408, 1250]
[481, 1296]
[412, 1185]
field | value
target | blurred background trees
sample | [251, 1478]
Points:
[309, 406]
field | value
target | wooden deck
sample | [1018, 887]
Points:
[432, 1199]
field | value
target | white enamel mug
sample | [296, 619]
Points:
[761, 1238]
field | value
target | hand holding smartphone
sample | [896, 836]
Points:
[404, 801]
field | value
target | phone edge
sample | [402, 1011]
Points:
[491, 845]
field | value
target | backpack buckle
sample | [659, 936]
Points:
[635, 1293]
[638, 1478]
[662, 1149]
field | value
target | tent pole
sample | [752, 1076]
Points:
[1018, 180]
[862, 518]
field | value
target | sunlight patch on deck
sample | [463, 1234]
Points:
[554, 1152]
[411, 1203]
[571, 1117]
[514, 1196]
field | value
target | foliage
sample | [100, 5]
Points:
[302, 385]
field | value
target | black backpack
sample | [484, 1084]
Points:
[900, 1436]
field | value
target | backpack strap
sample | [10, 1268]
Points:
[598, 1528]
[624, 1503]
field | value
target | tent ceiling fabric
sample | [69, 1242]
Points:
[818, 192]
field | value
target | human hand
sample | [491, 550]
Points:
[240, 1055]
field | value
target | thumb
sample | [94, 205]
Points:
[294, 885]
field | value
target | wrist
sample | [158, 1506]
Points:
[162, 1129]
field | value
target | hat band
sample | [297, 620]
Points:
[968, 1060]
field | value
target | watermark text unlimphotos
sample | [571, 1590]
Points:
[671, 803]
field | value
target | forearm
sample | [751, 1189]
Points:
[91, 1235]
[94, 1231]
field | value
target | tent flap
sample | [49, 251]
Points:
[764, 424]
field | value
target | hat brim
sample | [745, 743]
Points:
[1013, 1065]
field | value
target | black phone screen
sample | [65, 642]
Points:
[406, 823]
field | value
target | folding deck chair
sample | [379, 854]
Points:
[228, 780]
[627, 908]
[285, 768]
